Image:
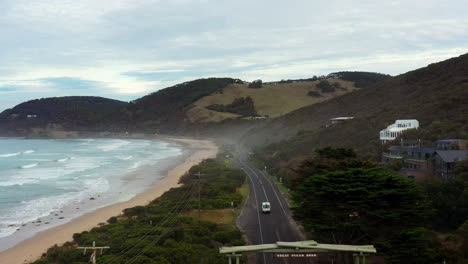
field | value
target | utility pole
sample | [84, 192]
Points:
[92, 259]
[199, 194]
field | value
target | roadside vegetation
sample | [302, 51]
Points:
[168, 230]
[341, 199]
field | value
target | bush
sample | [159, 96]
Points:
[314, 94]
[256, 84]
[326, 87]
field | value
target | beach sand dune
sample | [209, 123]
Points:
[31, 249]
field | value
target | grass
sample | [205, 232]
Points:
[228, 163]
[272, 99]
[227, 216]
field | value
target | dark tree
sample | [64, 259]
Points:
[243, 106]
[360, 205]
[314, 94]
[325, 87]
[256, 84]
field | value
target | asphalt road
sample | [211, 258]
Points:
[266, 228]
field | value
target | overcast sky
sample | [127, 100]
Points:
[124, 49]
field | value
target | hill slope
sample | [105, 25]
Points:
[68, 113]
[273, 99]
[435, 95]
[184, 108]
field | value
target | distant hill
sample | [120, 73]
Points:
[201, 106]
[165, 109]
[436, 95]
[66, 113]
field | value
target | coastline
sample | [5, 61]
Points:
[31, 249]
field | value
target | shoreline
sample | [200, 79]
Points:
[32, 248]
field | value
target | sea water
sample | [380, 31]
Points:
[38, 177]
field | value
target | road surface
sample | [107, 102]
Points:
[266, 228]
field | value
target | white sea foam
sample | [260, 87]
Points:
[9, 155]
[29, 166]
[18, 182]
[113, 145]
[136, 165]
[72, 171]
[34, 209]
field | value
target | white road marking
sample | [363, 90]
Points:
[274, 190]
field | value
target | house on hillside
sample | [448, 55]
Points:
[419, 163]
[445, 161]
[452, 144]
[31, 116]
[399, 152]
[395, 129]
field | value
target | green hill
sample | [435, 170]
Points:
[435, 95]
[203, 106]
[61, 113]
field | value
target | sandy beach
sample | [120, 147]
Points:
[31, 249]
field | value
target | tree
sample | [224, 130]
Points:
[314, 94]
[256, 84]
[359, 205]
[325, 87]
[450, 200]
[412, 246]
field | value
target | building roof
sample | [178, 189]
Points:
[411, 170]
[423, 150]
[448, 140]
[343, 118]
[452, 155]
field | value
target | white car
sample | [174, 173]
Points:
[266, 207]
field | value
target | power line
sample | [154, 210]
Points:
[199, 194]
[168, 229]
[174, 210]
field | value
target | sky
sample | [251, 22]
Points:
[124, 49]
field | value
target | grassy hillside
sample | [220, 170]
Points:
[164, 109]
[272, 99]
[435, 95]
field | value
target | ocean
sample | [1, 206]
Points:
[40, 177]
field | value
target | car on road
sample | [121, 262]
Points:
[266, 207]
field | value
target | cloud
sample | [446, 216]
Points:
[124, 49]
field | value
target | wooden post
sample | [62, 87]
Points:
[94, 249]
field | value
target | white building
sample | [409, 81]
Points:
[394, 130]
